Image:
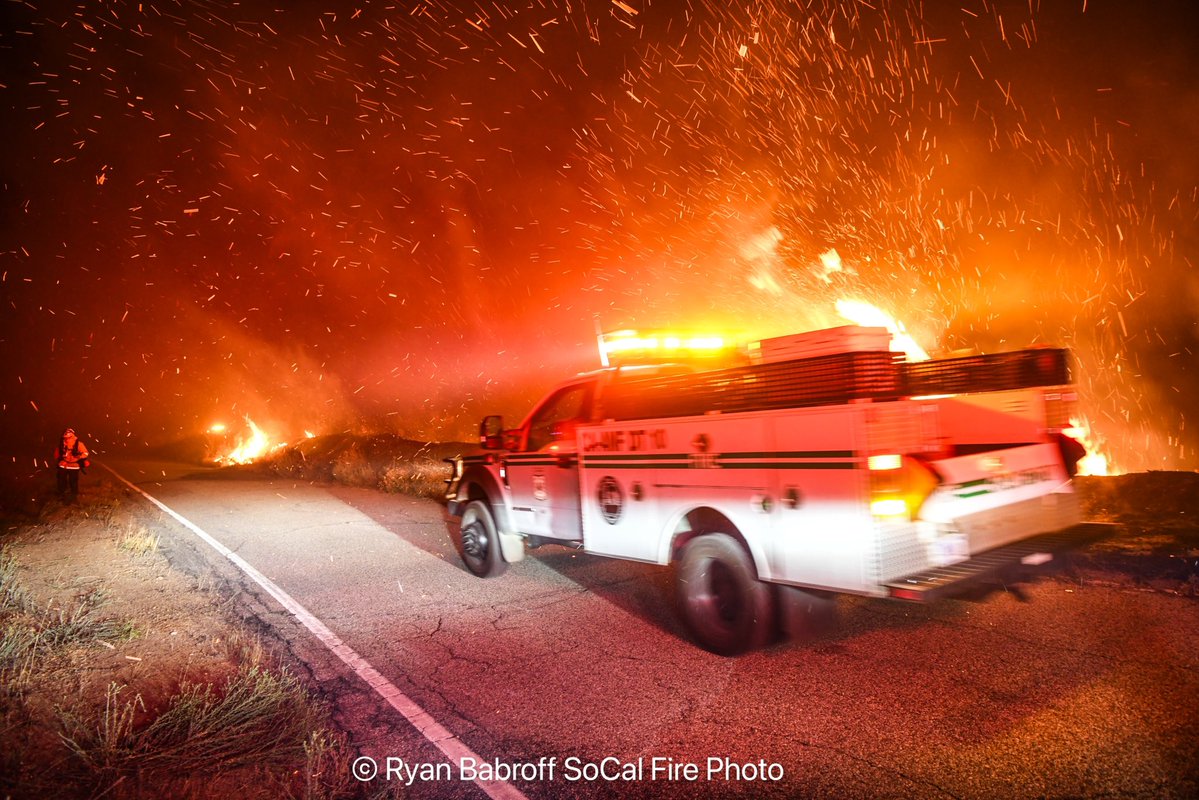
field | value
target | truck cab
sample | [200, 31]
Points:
[540, 471]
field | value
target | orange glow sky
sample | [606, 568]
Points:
[365, 218]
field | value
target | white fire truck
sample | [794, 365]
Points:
[824, 463]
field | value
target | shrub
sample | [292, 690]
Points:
[418, 477]
[351, 468]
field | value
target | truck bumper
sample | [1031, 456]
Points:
[932, 584]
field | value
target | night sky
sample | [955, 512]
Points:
[397, 217]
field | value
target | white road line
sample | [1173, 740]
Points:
[431, 729]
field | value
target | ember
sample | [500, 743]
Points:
[356, 219]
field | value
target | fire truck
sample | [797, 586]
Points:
[820, 463]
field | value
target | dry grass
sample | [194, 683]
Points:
[256, 718]
[384, 462]
[32, 634]
[350, 467]
[13, 596]
[137, 539]
[418, 477]
[86, 712]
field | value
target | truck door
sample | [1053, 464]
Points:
[544, 472]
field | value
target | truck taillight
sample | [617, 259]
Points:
[885, 463]
[889, 507]
[899, 485]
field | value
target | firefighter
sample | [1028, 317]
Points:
[72, 458]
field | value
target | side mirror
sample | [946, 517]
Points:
[491, 432]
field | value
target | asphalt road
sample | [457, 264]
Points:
[1056, 689]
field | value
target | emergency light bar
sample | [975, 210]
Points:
[635, 347]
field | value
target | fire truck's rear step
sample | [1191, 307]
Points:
[929, 585]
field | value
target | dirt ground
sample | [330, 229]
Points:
[1156, 547]
[120, 629]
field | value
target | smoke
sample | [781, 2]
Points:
[985, 171]
[399, 221]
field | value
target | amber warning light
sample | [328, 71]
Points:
[632, 347]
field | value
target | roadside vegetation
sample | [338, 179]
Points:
[384, 462]
[122, 678]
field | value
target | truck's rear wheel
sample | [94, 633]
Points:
[481, 541]
[726, 608]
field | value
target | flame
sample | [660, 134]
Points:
[248, 448]
[860, 312]
[1094, 462]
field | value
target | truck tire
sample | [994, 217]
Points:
[480, 541]
[724, 605]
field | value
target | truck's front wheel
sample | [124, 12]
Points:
[727, 609]
[481, 541]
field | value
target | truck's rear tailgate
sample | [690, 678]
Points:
[999, 497]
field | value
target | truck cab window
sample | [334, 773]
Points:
[570, 404]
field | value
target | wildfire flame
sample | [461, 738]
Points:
[248, 448]
[860, 312]
[1094, 462]
[251, 445]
